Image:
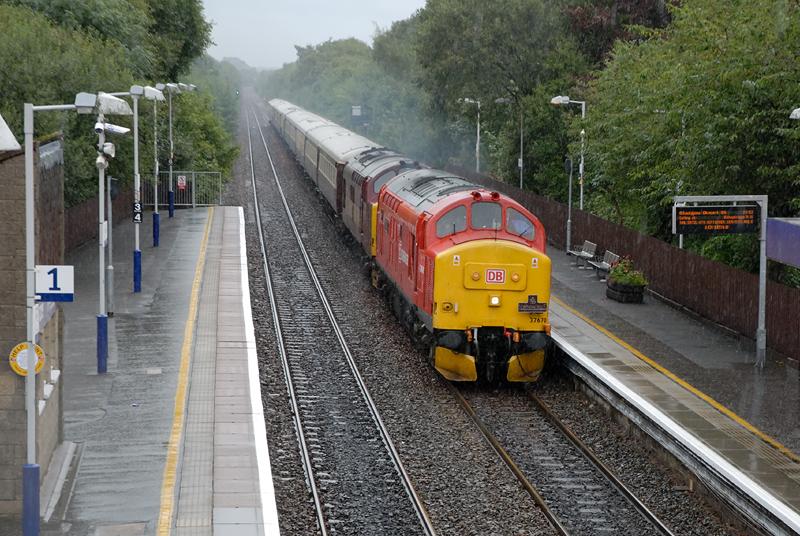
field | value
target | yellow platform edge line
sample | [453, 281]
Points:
[689, 387]
[173, 449]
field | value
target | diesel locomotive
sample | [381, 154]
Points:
[465, 268]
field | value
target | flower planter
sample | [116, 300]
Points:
[624, 293]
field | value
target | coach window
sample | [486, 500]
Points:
[452, 222]
[519, 225]
[486, 215]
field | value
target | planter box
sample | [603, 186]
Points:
[624, 293]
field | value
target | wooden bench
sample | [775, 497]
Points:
[585, 253]
[603, 267]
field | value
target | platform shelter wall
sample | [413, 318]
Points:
[720, 293]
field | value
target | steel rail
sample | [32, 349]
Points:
[304, 451]
[594, 460]
[506, 457]
[419, 507]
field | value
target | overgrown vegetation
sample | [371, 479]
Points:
[52, 49]
[688, 97]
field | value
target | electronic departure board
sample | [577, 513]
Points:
[730, 219]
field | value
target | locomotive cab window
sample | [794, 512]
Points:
[487, 215]
[519, 225]
[452, 222]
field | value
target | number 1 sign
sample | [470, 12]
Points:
[54, 283]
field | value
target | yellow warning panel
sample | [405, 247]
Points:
[18, 358]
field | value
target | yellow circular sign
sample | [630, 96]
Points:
[19, 358]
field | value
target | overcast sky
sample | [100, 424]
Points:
[263, 32]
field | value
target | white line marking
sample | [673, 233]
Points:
[269, 509]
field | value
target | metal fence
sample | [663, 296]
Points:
[192, 188]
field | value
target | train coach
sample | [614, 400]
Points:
[465, 268]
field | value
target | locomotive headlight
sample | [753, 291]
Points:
[515, 277]
[494, 301]
[475, 276]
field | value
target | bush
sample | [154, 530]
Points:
[624, 273]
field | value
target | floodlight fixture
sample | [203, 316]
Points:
[173, 88]
[559, 100]
[184, 87]
[151, 93]
[795, 114]
[111, 105]
[85, 102]
[137, 90]
[161, 87]
[7, 140]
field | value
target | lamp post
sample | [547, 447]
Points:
[107, 105]
[506, 100]
[85, 103]
[568, 169]
[172, 88]
[563, 100]
[477, 102]
[150, 93]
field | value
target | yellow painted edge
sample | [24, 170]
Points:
[695, 391]
[174, 446]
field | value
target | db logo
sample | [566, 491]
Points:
[494, 275]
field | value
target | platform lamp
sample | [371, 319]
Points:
[476, 102]
[106, 105]
[563, 100]
[149, 93]
[172, 89]
[795, 114]
[85, 103]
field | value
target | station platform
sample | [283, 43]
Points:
[695, 381]
[171, 439]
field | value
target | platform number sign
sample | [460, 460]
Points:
[54, 283]
[137, 212]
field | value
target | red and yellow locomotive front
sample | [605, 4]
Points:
[473, 267]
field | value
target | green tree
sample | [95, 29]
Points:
[180, 34]
[699, 108]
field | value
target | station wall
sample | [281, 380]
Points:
[48, 184]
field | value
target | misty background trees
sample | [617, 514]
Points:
[52, 49]
[689, 97]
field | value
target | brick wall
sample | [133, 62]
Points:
[49, 197]
[81, 220]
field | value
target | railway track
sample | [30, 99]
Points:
[354, 474]
[577, 493]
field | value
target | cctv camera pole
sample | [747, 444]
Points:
[102, 318]
[137, 198]
[171, 156]
[156, 215]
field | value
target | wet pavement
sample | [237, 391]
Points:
[717, 363]
[121, 420]
[144, 462]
